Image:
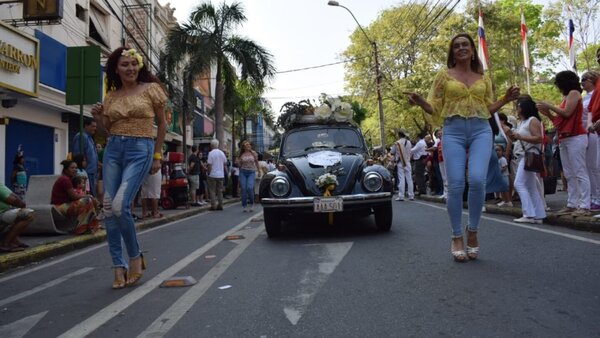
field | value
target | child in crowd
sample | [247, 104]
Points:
[79, 184]
[503, 163]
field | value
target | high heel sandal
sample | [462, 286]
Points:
[134, 277]
[120, 283]
[472, 251]
[459, 255]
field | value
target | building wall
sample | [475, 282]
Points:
[49, 109]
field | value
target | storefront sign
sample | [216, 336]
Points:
[42, 10]
[19, 61]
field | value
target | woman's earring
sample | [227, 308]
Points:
[473, 57]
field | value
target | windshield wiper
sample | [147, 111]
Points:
[316, 147]
[347, 146]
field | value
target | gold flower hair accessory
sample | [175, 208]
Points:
[132, 53]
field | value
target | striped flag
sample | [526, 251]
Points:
[482, 51]
[524, 42]
[572, 51]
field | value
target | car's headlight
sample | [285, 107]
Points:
[280, 186]
[372, 181]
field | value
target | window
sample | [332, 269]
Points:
[98, 27]
[80, 12]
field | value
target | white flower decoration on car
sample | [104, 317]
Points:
[343, 112]
[325, 180]
[323, 111]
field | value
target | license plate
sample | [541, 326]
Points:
[328, 204]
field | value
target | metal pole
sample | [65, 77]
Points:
[379, 100]
[377, 73]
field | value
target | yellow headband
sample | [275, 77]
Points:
[132, 53]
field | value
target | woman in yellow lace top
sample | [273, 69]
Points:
[135, 101]
[461, 98]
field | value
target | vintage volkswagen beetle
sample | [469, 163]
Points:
[307, 153]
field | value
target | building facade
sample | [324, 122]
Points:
[33, 61]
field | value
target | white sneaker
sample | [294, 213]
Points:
[528, 220]
[399, 199]
[244, 209]
[505, 204]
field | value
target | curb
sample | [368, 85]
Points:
[584, 223]
[38, 253]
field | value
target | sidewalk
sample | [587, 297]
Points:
[42, 247]
[555, 201]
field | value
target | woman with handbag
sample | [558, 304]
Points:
[567, 120]
[528, 149]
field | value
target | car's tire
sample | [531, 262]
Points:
[167, 203]
[383, 216]
[272, 223]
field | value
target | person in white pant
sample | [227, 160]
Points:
[573, 142]
[400, 150]
[527, 138]
[588, 82]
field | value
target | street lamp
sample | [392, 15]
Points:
[377, 74]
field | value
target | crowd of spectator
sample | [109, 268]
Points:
[569, 149]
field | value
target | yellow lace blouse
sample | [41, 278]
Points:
[450, 97]
[133, 115]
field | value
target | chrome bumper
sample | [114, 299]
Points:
[349, 200]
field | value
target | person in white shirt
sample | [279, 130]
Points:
[401, 155]
[588, 82]
[419, 154]
[217, 163]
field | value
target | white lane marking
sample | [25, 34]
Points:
[329, 256]
[165, 322]
[525, 226]
[20, 328]
[99, 318]
[97, 246]
[43, 286]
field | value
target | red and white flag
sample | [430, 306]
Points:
[482, 52]
[524, 45]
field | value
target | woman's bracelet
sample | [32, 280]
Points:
[157, 156]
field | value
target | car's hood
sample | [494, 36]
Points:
[307, 168]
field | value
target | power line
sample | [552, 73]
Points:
[321, 66]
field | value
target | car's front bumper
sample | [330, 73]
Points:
[359, 200]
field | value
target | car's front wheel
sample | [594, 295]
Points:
[383, 216]
[272, 223]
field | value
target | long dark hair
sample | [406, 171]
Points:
[566, 81]
[113, 81]
[79, 158]
[528, 107]
[476, 65]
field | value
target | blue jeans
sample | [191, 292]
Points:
[475, 136]
[127, 161]
[247, 178]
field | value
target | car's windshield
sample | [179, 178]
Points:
[327, 138]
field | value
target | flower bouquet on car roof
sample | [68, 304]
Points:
[329, 109]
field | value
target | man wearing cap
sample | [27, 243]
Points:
[401, 152]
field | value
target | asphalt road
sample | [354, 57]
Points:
[346, 280]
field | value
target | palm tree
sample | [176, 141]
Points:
[207, 39]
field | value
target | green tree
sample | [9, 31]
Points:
[208, 39]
